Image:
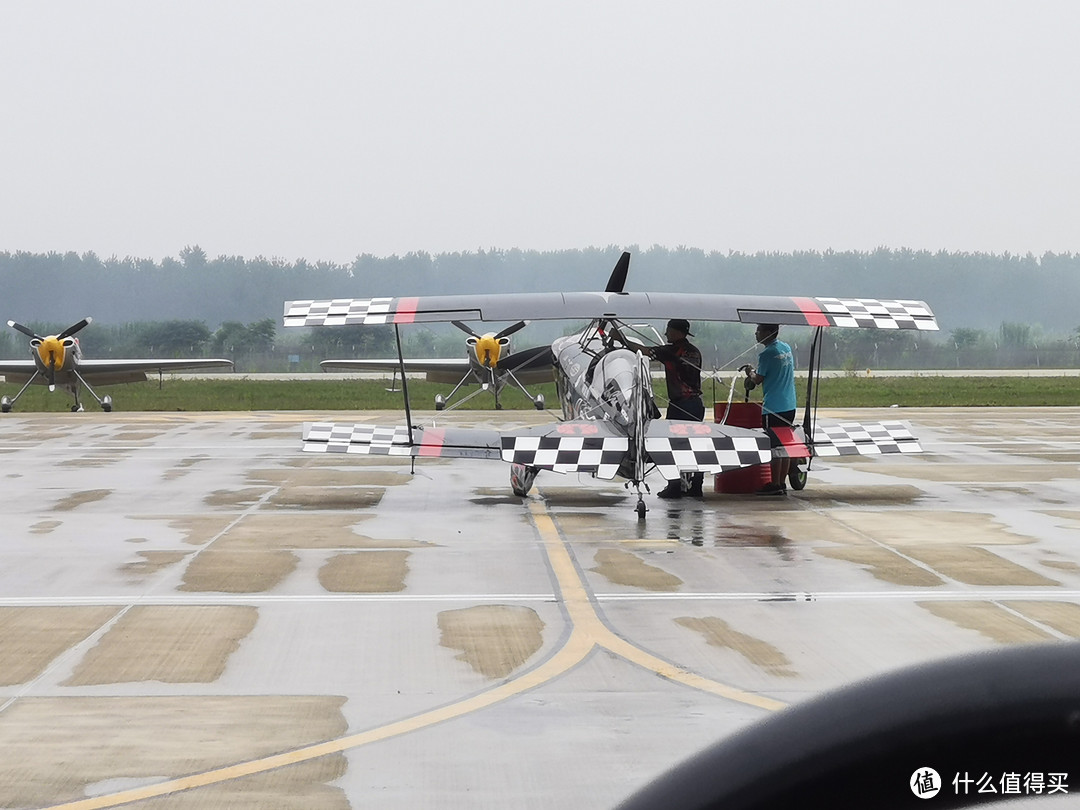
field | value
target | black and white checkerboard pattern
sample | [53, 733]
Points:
[854, 439]
[338, 312]
[874, 314]
[673, 455]
[567, 454]
[330, 437]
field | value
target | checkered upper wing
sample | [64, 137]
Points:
[871, 439]
[678, 447]
[567, 447]
[871, 313]
[331, 437]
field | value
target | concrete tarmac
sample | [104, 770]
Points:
[194, 614]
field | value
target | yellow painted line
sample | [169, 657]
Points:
[583, 617]
[587, 633]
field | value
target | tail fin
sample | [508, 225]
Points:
[617, 281]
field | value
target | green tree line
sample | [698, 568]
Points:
[994, 310]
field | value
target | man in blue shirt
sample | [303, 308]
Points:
[776, 376]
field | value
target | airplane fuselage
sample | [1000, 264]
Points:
[598, 382]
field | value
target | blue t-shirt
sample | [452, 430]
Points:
[777, 365]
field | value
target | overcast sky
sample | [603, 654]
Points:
[324, 130]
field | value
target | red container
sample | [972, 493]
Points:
[743, 414]
[745, 479]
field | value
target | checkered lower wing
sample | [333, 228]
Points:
[568, 447]
[854, 439]
[330, 437]
[678, 447]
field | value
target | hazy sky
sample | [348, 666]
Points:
[328, 129]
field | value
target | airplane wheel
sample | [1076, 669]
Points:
[5, 405]
[640, 509]
[797, 477]
[539, 402]
[521, 479]
[440, 402]
[106, 404]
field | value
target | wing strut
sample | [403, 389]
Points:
[404, 383]
[813, 376]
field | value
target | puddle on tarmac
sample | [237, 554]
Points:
[1064, 617]
[326, 477]
[166, 643]
[493, 639]
[198, 529]
[79, 498]
[983, 473]
[153, 561]
[990, 620]
[623, 568]
[331, 498]
[581, 497]
[235, 498]
[875, 495]
[45, 526]
[32, 638]
[884, 565]
[304, 531]
[1062, 565]
[760, 653]
[164, 737]
[365, 572]
[238, 571]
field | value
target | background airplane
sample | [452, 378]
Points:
[57, 360]
[488, 364]
[605, 389]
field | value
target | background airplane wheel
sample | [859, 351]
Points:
[106, 404]
[440, 402]
[797, 476]
[538, 403]
[5, 405]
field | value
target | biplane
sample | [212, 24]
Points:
[610, 425]
[57, 360]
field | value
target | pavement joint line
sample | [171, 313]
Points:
[587, 633]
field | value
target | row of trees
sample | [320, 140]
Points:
[966, 290]
[260, 346]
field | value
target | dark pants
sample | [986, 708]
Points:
[687, 410]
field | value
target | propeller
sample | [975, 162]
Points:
[71, 330]
[504, 333]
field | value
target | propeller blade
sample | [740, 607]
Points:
[464, 328]
[24, 329]
[75, 327]
[618, 275]
[511, 329]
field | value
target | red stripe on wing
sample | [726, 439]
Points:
[433, 439]
[791, 443]
[813, 313]
[406, 310]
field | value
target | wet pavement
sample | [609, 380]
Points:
[193, 613]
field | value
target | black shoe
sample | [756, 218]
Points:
[773, 489]
[671, 491]
[695, 491]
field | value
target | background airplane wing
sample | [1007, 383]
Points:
[844, 312]
[446, 370]
[111, 372]
[872, 439]
[678, 447]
